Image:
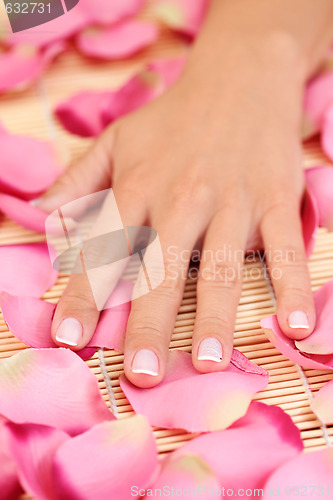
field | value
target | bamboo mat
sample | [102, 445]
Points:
[290, 387]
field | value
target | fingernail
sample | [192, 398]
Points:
[69, 332]
[35, 202]
[210, 349]
[298, 319]
[145, 361]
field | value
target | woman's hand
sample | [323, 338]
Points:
[217, 158]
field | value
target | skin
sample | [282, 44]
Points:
[217, 158]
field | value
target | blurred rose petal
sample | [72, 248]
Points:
[322, 404]
[327, 133]
[51, 387]
[319, 181]
[187, 472]
[26, 269]
[168, 69]
[9, 485]
[185, 16]
[117, 41]
[309, 472]
[310, 222]
[107, 461]
[100, 11]
[318, 98]
[30, 319]
[198, 402]
[33, 447]
[321, 340]
[244, 455]
[23, 213]
[28, 166]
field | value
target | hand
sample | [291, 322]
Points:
[217, 158]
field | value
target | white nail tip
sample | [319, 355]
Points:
[210, 349]
[298, 319]
[68, 342]
[145, 372]
[145, 362]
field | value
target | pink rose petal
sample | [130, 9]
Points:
[105, 462]
[310, 222]
[243, 456]
[322, 404]
[28, 166]
[33, 448]
[198, 402]
[26, 269]
[9, 485]
[117, 41]
[23, 213]
[319, 181]
[309, 472]
[327, 133]
[185, 16]
[51, 387]
[187, 472]
[30, 319]
[100, 11]
[318, 98]
[287, 347]
[168, 69]
[321, 340]
[22, 65]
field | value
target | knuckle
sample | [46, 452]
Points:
[216, 274]
[188, 193]
[215, 321]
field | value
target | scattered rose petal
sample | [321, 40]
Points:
[319, 181]
[22, 65]
[322, 404]
[26, 269]
[327, 133]
[51, 387]
[187, 472]
[318, 98]
[30, 319]
[185, 16]
[9, 484]
[198, 402]
[321, 340]
[168, 69]
[307, 472]
[310, 222]
[104, 462]
[99, 11]
[244, 455]
[287, 347]
[117, 41]
[23, 213]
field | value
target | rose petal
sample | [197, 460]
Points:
[187, 472]
[23, 213]
[52, 387]
[319, 181]
[28, 166]
[9, 484]
[322, 404]
[310, 222]
[117, 41]
[168, 69]
[22, 65]
[107, 461]
[33, 448]
[30, 319]
[287, 347]
[100, 11]
[26, 269]
[318, 98]
[185, 16]
[309, 472]
[244, 455]
[321, 340]
[198, 402]
[82, 114]
[327, 133]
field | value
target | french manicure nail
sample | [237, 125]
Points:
[210, 349]
[69, 332]
[298, 319]
[145, 361]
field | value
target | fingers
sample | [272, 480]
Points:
[218, 290]
[79, 307]
[285, 254]
[153, 315]
[89, 174]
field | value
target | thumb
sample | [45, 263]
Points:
[89, 174]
